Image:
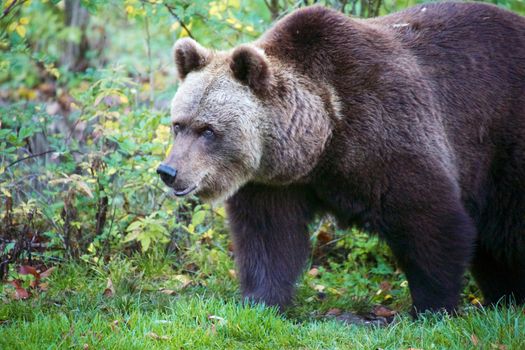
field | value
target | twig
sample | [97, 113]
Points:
[29, 157]
[174, 14]
[11, 7]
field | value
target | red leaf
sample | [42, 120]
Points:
[47, 272]
[20, 293]
[383, 311]
[16, 284]
[314, 272]
[28, 270]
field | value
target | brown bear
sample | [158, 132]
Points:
[411, 126]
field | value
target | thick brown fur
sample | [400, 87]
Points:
[410, 125]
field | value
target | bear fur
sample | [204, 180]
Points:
[411, 126]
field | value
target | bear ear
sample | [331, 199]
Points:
[189, 56]
[251, 68]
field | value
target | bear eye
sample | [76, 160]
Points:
[207, 133]
[176, 128]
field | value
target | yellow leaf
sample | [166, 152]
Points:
[235, 3]
[163, 132]
[51, 69]
[21, 30]
[24, 20]
[215, 10]
[85, 188]
[237, 26]
[4, 191]
[175, 26]
[8, 3]
[123, 99]
[475, 301]
[130, 9]
[231, 20]
[184, 33]
[249, 29]
[12, 27]
[319, 287]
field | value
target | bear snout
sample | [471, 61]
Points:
[167, 174]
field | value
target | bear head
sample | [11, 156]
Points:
[241, 116]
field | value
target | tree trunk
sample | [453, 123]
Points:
[75, 52]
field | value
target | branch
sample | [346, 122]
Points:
[29, 157]
[174, 14]
[11, 7]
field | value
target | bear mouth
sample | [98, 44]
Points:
[187, 190]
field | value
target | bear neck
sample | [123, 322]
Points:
[300, 127]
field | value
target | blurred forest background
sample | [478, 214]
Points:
[84, 92]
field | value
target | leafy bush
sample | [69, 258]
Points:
[80, 138]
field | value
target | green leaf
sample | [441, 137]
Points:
[134, 225]
[145, 242]
[24, 132]
[132, 236]
[198, 218]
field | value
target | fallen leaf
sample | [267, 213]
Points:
[314, 272]
[185, 280]
[43, 286]
[20, 293]
[333, 312]
[155, 336]
[383, 311]
[474, 339]
[232, 273]
[110, 290]
[216, 318]
[85, 346]
[498, 346]
[47, 272]
[319, 287]
[385, 286]
[168, 291]
[28, 270]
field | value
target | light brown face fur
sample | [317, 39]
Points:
[239, 117]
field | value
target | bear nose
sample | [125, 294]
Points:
[167, 174]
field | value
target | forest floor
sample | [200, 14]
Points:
[138, 303]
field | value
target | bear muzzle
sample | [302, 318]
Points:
[168, 175]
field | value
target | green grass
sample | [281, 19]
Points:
[74, 313]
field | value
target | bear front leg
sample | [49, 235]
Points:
[433, 238]
[271, 242]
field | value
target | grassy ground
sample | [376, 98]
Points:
[152, 305]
